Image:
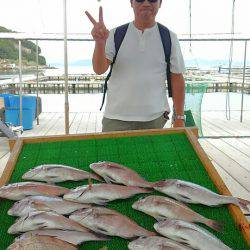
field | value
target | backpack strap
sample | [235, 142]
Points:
[166, 42]
[119, 35]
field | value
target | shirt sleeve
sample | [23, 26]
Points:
[176, 59]
[110, 46]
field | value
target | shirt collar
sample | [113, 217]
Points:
[148, 30]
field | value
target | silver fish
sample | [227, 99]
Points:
[41, 243]
[53, 173]
[109, 222]
[161, 208]
[19, 191]
[44, 220]
[156, 243]
[116, 173]
[189, 234]
[102, 193]
[192, 193]
[44, 203]
[73, 237]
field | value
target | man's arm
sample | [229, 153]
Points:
[99, 60]
[100, 35]
[178, 91]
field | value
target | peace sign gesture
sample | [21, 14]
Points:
[99, 32]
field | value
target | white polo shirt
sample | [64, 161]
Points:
[137, 86]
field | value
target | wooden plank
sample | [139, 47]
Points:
[231, 152]
[91, 127]
[84, 123]
[4, 148]
[11, 162]
[54, 123]
[115, 134]
[99, 117]
[239, 145]
[232, 184]
[245, 141]
[59, 128]
[3, 162]
[210, 129]
[45, 120]
[238, 216]
[231, 126]
[75, 123]
[228, 164]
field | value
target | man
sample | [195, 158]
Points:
[136, 96]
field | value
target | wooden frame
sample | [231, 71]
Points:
[239, 218]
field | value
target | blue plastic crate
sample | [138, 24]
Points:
[12, 116]
[28, 102]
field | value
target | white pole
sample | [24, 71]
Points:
[37, 81]
[66, 69]
[243, 83]
[20, 84]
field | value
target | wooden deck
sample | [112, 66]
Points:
[227, 143]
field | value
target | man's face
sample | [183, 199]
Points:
[145, 10]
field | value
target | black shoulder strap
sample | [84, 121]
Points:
[119, 35]
[166, 41]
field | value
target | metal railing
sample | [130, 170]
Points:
[60, 37]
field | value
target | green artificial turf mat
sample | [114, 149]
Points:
[154, 157]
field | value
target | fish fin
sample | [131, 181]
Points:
[216, 225]
[243, 204]
[101, 236]
[145, 190]
[159, 218]
[113, 165]
[102, 202]
[108, 179]
[42, 225]
[40, 207]
[184, 198]
[96, 177]
[101, 230]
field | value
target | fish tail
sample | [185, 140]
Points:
[216, 225]
[145, 190]
[243, 204]
[158, 184]
[151, 233]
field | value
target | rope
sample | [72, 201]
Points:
[228, 110]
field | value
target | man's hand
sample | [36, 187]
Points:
[99, 32]
[178, 123]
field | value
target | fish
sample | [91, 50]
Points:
[102, 193]
[109, 222]
[161, 208]
[20, 190]
[115, 173]
[44, 220]
[189, 234]
[73, 237]
[41, 243]
[192, 193]
[53, 173]
[44, 203]
[156, 243]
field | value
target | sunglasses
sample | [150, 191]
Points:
[141, 1]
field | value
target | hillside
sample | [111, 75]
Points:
[9, 50]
